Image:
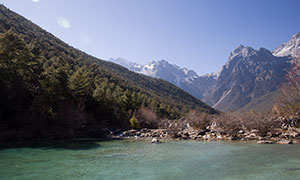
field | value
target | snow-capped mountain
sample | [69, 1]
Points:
[160, 69]
[247, 75]
[184, 78]
[290, 48]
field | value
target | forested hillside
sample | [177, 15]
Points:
[49, 89]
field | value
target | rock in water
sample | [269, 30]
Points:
[264, 142]
[285, 142]
[154, 140]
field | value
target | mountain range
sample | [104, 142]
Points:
[247, 76]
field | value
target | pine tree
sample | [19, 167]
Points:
[55, 80]
[80, 83]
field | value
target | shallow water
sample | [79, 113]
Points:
[141, 160]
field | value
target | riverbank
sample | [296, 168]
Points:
[275, 136]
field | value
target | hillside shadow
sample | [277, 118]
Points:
[78, 144]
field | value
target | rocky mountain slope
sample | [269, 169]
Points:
[248, 74]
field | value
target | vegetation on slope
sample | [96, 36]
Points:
[261, 104]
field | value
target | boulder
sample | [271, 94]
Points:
[154, 140]
[293, 134]
[202, 132]
[251, 136]
[144, 130]
[220, 137]
[264, 142]
[254, 131]
[231, 138]
[132, 131]
[285, 142]
[241, 132]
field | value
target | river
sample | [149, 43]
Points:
[141, 160]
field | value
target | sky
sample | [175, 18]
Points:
[197, 34]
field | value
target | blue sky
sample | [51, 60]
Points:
[197, 34]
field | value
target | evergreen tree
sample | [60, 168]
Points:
[80, 83]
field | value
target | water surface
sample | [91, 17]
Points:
[141, 160]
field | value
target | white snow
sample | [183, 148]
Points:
[290, 48]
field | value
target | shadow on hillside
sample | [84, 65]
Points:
[78, 144]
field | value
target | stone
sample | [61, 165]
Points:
[220, 137]
[254, 131]
[295, 141]
[193, 137]
[293, 134]
[251, 136]
[262, 138]
[132, 131]
[269, 134]
[284, 142]
[230, 138]
[144, 130]
[241, 131]
[186, 134]
[154, 140]
[264, 142]
[202, 132]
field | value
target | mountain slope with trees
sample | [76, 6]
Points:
[49, 89]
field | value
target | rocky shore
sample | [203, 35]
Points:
[288, 133]
[280, 136]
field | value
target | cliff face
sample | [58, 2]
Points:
[248, 74]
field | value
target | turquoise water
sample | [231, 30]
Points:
[141, 160]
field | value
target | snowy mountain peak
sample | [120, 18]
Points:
[239, 47]
[160, 69]
[290, 48]
[188, 72]
[241, 51]
[296, 36]
[213, 75]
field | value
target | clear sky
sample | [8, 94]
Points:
[197, 34]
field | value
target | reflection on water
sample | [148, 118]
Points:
[129, 159]
[72, 144]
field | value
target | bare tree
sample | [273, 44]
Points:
[199, 120]
[147, 118]
[289, 102]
